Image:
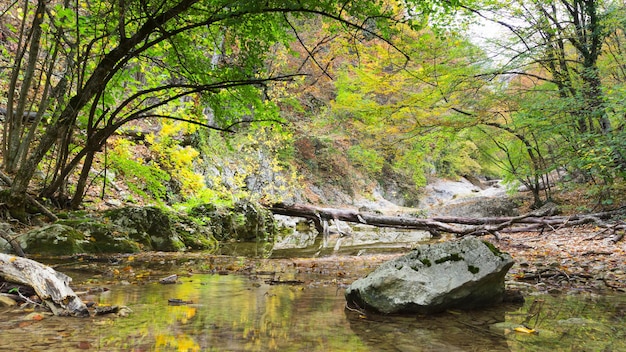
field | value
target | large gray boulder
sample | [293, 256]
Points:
[463, 274]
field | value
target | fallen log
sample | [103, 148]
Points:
[459, 226]
[319, 215]
[51, 286]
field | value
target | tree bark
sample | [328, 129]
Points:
[51, 286]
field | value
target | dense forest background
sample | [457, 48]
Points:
[185, 102]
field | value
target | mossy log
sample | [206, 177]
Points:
[51, 286]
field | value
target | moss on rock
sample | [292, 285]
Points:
[151, 227]
[102, 237]
[55, 239]
[245, 221]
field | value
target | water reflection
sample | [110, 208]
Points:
[450, 331]
[237, 313]
[232, 313]
[307, 243]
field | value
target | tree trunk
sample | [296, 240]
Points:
[96, 83]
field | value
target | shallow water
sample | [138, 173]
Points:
[241, 313]
[244, 312]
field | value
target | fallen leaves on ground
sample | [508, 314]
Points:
[580, 259]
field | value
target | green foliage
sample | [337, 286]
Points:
[473, 269]
[109, 65]
[144, 178]
[176, 160]
[234, 67]
[371, 161]
[254, 165]
[398, 114]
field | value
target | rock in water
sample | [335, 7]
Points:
[463, 274]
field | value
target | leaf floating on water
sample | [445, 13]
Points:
[525, 330]
[178, 302]
[34, 317]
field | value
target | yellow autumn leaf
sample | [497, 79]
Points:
[525, 330]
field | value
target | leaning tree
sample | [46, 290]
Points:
[76, 72]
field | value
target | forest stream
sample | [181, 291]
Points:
[296, 303]
[289, 296]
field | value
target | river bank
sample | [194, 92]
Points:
[562, 261]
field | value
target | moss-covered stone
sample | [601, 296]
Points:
[245, 221]
[492, 248]
[102, 237]
[473, 269]
[454, 257]
[55, 239]
[195, 236]
[151, 227]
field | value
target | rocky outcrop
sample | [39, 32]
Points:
[55, 239]
[245, 221]
[133, 229]
[477, 207]
[461, 274]
[151, 227]
[122, 230]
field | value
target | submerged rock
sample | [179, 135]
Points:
[461, 274]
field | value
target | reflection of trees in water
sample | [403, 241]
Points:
[234, 312]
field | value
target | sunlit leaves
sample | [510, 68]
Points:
[403, 110]
[147, 180]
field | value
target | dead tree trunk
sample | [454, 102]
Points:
[455, 225]
[51, 286]
[319, 215]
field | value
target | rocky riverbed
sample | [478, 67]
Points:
[563, 261]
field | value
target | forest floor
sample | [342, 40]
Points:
[570, 259]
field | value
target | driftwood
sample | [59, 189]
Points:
[459, 226]
[51, 286]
